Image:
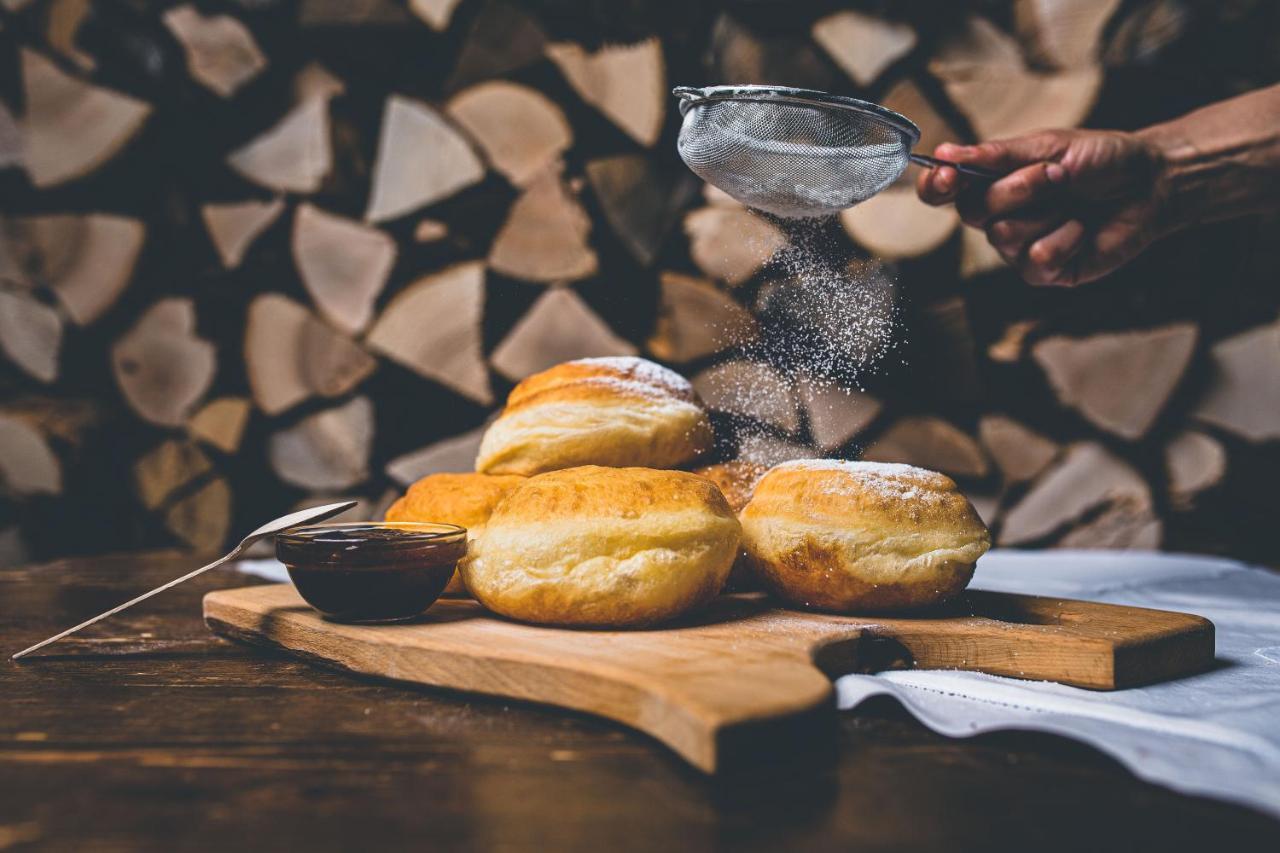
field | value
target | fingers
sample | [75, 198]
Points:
[1039, 185]
[1012, 237]
[1008, 155]
[1048, 260]
[938, 186]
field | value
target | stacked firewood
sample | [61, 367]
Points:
[257, 254]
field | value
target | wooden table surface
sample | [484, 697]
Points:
[148, 733]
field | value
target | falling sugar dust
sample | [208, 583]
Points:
[828, 320]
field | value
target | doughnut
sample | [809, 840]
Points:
[462, 499]
[736, 480]
[604, 547]
[861, 536]
[618, 412]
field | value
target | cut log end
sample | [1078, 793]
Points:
[452, 354]
[932, 443]
[558, 327]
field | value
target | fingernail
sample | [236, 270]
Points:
[1055, 173]
[950, 151]
[944, 180]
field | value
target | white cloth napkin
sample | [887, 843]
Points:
[1216, 734]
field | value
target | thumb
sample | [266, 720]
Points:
[1007, 155]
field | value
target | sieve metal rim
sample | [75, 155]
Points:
[692, 96]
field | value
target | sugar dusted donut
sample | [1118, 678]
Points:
[616, 412]
[861, 536]
[604, 547]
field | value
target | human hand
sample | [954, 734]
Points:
[1073, 205]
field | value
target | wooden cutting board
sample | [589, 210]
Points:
[744, 679]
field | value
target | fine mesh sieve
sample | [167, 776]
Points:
[796, 152]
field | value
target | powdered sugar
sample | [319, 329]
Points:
[892, 480]
[640, 371]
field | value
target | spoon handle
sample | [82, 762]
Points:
[235, 552]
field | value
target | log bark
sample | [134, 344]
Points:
[221, 423]
[344, 265]
[162, 367]
[403, 179]
[433, 327]
[628, 83]
[71, 127]
[836, 414]
[863, 45]
[696, 319]
[558, 327]
[1194, 462]
[221, 52]
[895, 224]
[1088, 481]
[1019, 452]
[30, 334]
[731, 244]
[1244, 396]
[294, 155]
[290, 355]
[327, 450]
[233, 227]
[750, 389]
[932, 443]
[1119, 381]
[521, 131]
[545, 236]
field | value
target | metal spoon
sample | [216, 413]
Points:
[284, 522]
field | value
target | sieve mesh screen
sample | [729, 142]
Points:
[792, 159]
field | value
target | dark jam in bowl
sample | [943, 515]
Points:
[370, 572]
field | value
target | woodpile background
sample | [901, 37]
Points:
[255, 253]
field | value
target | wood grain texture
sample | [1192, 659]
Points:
[743, 675]
[148, 733]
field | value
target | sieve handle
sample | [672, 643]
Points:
[971, 171]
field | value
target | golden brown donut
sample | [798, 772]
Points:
[861, 536]
[604, 547]
[462, 499]
[597, 411]
[736, 480]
